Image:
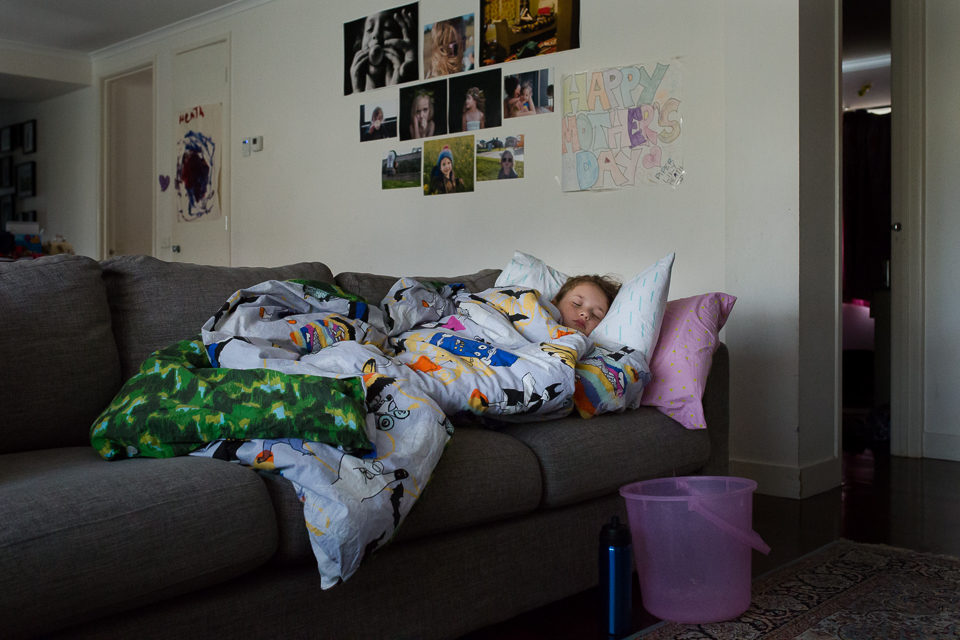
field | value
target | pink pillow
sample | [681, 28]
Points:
[683, 355]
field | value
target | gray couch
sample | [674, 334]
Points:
[200, 548]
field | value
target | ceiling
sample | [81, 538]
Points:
[80, 28]
[83, 27]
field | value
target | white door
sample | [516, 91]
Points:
[201, 76]
[128, 163]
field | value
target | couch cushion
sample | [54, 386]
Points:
[581, 459]
[155, 303]
[375, 287]
[85, 537]
[58, 359]
[483, 476]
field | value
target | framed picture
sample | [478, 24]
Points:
[6, 172]
[6, 140]
[28, 136]
[26, 179]
[6, 211]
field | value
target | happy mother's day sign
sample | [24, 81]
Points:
[622, 126]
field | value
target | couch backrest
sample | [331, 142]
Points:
[375, 287]
[155, 303]
[59, 366]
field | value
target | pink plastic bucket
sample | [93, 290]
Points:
[692, 539]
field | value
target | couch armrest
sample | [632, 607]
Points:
[716, 411]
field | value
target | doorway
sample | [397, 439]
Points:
[866, 268]
[129, 211]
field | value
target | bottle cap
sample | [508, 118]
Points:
[615, 534]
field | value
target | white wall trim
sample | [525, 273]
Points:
[178, 27]
[908, 27]
[35, 49]
[942, 446]
[772, 479]
[790, 482]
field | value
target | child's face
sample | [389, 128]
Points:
[507, 162]
[583, 307]
[446, 166]
[528, 94]
[423, 108]
[377, 29]
[470, 103]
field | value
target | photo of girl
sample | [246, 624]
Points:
[448, 165]
[447, 46]
[527, 94]
[473, 106]
[380, 50]
[474, 102]
[500, 159]
[382, 121]
[423, 110]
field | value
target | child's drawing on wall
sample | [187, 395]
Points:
[380, 50]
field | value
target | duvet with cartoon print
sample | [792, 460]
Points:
[429, 351]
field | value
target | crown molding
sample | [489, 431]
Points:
[178, 27]
[35, 49]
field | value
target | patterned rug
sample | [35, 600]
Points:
[844, 590]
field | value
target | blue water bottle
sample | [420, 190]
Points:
[616, 576]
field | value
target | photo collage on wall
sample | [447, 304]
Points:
[423, 118]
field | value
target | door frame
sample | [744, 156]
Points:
[104, 219]
[908, 148]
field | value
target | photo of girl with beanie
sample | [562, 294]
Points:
[453, 170]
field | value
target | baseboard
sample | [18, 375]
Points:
[942, 446]
[790, 482]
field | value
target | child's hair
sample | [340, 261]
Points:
[528, 85]
[447, 48]
[477, 94]
[376, 111]
[607, 284]
[416, 100]
[510, 84]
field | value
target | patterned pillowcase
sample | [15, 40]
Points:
[608, 381]
[636, 314]
[683, 355]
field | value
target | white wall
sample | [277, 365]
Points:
[66, 157]
[313, 192]
[941, 438]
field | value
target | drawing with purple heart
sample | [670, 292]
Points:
[164, 182]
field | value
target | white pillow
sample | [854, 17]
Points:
[527, 271]
[635, 317]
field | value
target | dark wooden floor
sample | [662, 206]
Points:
[903, 502]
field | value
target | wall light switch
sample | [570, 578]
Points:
[245, 147]
[256, 143]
